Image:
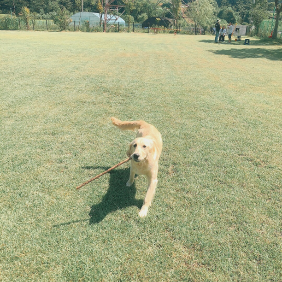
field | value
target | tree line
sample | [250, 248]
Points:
[202, 12]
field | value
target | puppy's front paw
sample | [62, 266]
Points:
[129, 183]
[143, 212]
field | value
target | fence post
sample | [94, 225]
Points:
[133, 26]
[148, 28]
[73, 25]
[118, 27]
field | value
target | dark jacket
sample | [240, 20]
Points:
[217, 26]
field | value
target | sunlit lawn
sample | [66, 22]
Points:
[217, 210]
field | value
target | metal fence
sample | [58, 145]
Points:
[16, 23]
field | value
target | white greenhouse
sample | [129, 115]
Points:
[94, 19]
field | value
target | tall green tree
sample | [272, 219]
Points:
[26, 16]
[244, 8]
[258, 14]
[278, 10]
[129, 7]
[203, 13]
[228, 14]
[7, 6]
[175, 10]
[62, 18]
[37, 5]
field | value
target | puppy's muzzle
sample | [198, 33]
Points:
[135, 157]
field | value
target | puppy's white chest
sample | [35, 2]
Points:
[140, 168]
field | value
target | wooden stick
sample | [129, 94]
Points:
[97, 176]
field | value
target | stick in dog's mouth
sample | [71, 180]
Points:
[108, 170]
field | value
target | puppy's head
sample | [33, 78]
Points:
[140, 148]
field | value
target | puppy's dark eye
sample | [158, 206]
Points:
[144, 146]
[135, 145]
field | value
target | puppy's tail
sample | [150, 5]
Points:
[127, 125]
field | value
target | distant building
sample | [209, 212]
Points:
[94, 19]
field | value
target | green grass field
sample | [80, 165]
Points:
[216, 215]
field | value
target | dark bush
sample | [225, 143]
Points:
[9, 23]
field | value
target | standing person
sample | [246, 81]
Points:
[217, 29]
[229, 31]
[222, 33]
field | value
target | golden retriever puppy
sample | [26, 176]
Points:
[145, 151]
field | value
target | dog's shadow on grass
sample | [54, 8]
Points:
[118, 196]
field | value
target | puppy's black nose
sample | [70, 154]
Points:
[136, 156]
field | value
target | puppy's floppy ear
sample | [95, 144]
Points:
[130, 151]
